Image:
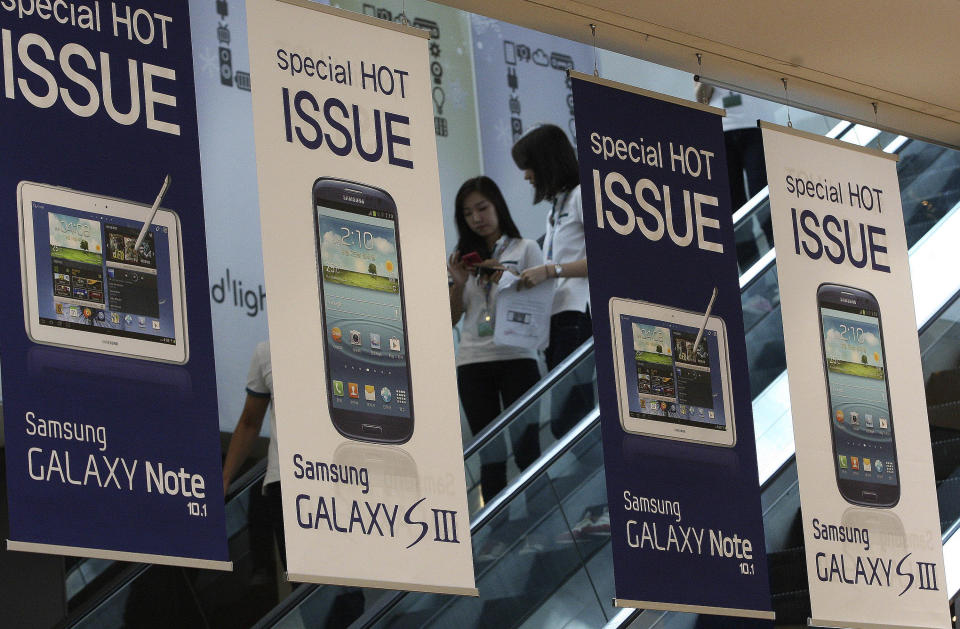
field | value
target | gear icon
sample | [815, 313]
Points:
[434, 49]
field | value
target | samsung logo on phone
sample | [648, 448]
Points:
[357, 200]
[852, 302]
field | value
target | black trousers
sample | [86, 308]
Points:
[744, 156]
[570, 401]
[568, 330]
[485, 390]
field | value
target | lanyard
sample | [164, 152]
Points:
[498, 250]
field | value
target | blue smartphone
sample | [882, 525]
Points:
[360, 275]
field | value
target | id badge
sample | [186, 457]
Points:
[485, 323]
[732, 100]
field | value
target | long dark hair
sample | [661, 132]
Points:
[469, 240]
[548, 153]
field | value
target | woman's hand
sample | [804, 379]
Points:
[457, 269]
[534, 275]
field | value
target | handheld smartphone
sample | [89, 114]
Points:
[472, 259]
[858, 396]
[360, 275]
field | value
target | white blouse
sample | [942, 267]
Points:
[517, 254]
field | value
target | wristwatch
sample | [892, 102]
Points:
[557, 270]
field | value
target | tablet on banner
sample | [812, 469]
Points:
[870, 515]
[110, 410]
[657, 359]
[370, 460]
[87, 286]
[675, 406]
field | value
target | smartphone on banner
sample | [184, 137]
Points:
[364, 319]
[858, 396]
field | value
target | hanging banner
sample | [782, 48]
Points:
[675, 407]
[371, 463]
[870, 517]
[109, 395]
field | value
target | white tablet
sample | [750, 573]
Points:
[664, 387]
[86, 287]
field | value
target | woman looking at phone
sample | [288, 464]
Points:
[549, 163]
[490, 377]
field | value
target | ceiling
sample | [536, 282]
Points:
[838, 57]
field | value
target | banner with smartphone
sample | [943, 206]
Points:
[110, 406]
[364, 383]
[870, 516]
[675, 407]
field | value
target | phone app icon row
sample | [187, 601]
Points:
[369, 392]
[864, 464]
[853, 418]
[373, 339]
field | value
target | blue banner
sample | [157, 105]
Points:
[675, 404]
[110, 407]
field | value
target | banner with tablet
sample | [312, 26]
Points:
[109, 396]
[870, 516]
[365, 391]
[675, 406]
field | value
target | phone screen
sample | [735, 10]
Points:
[90, 277]
[859, 404]
[666, 379]
[368, 368]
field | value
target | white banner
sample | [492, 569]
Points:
[869, 504]
[364, 385]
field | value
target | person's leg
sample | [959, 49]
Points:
[755, 166]
[479, 395]
[738, 194]
[272, 494]
[751, 151]
[568, 330]
[517, 376]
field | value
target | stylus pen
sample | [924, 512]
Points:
[153, 212]
[706, 316]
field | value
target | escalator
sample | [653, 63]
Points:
[550, 521]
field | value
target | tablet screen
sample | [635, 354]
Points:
[666, 380]
[90, 277]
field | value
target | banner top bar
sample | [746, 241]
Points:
[358, 17]
[763, 124]
[642, 92]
